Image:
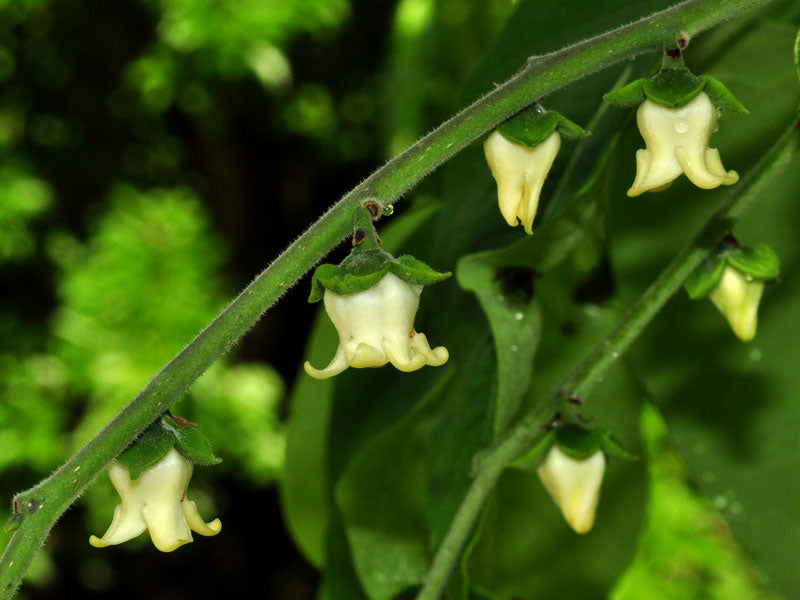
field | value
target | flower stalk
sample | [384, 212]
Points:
[37, 509]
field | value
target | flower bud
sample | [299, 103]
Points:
[737, 298]
[520, 172]
[574, 484]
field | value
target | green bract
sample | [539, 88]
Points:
[758, 263]
[363, 269]
[533, 125]
[166, 433]
[674, 86]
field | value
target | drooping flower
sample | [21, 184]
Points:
[520, 173]
[372, 298]
[376, 326]
[676, 141]
[520, 153]
[574, 484]
[733, 278]
[677, 114]
[156, 501]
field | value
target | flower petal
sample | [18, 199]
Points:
[336, 366]
[196, 522]
[125, 526]
[167, 526]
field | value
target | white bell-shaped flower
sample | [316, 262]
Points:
[738, 298]
[677, 142]
[520, 173]
[155, 502]
[376, 326]
[574, 485]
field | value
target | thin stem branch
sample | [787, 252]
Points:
[582, 379]
[37, 509]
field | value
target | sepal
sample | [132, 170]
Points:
[674, 86]
[533, 125]
[759, 263]
[157, 440]
[361, 271]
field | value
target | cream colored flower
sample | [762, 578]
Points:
[677, 142]
[737, 298]
[574, 485]
[155, 502]
[376, 326]
[520, 173]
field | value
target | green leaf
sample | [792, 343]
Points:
[721, 95]
[304, 485]
[382, 496]
[705, 277]
[507, 298]
[147, 450]
[759, 262]
[531, 126]
[628, 95]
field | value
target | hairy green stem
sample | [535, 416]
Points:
[37, 509]
[580, 382]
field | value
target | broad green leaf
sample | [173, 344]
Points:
[507, 297]
[303, 487]
[382, 497]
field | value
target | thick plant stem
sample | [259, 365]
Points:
[37, 509]
[579, 383]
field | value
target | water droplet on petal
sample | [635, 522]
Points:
[388, 210]
[681, 126]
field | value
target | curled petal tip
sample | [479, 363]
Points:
[97, 542]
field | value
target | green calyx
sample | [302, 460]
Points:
[368, 262]
[756, 264]
[674, 86]
[533, 125]
[365, 268]
[576, 442]
[166, 433]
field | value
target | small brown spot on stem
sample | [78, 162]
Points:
[359, 236]
[673, 53]
[374, 209]
[412, 333]
[180, 421]
[574, 400]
